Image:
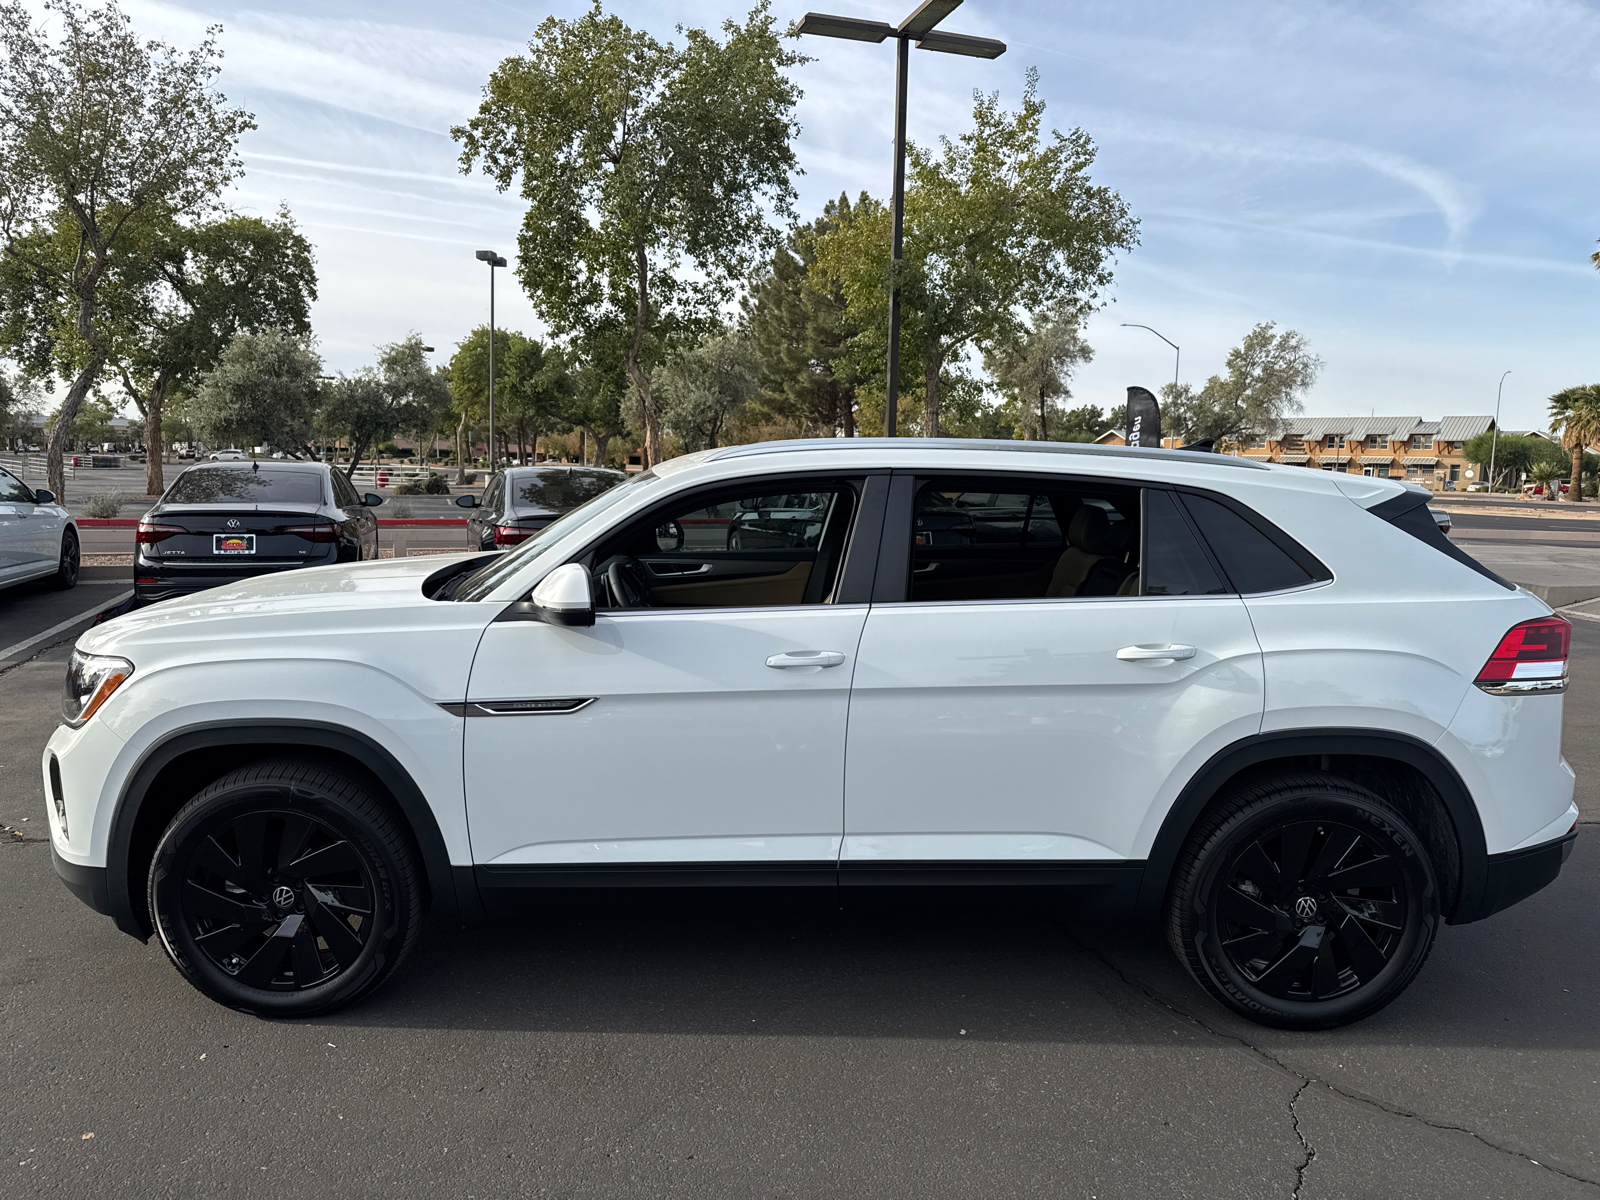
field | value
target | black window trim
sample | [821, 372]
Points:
[860, 560]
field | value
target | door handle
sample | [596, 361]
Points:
[806, 658]
[1147, 653]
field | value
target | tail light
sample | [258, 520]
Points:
[510, 535]
[317, 533]
[148, 534]
[1531, 658]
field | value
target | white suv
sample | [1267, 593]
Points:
[1274, 707]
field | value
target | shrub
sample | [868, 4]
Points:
[410, 489]
[436, 485]
[105, 504]
[400, 509]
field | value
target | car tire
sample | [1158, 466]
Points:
[285, 889]
[66, 576]
[1303, 902]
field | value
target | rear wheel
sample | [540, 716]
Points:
[285, 889]
[66, 575]
[1304, 902]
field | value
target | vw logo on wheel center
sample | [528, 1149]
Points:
[283, 896]
[1305, 908]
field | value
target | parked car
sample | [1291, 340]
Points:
[228, 456]
[38, 540]
[1275, 709]
[520, 501]
[222, 523]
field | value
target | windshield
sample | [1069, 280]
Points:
[559, 490]
[480, 584]
[230, 485]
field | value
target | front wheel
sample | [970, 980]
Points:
[285, 889]
[1304, 902]
[66, 575]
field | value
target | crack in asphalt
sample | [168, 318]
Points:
[45, 649]
[1276, 1063]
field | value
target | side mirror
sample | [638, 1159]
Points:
[669, 536]
[467, 501]
[44, 497]
[372, 500]
[566, 596]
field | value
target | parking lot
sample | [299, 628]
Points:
[699, 1049]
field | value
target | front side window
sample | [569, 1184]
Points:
[13, 490]
[731, 550]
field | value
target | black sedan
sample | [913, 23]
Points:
[520, 501]
[223, 522]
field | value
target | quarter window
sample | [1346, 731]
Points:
[1253, 561]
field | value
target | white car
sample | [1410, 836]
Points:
[228, 456]
[38, 539]
[1274, 708]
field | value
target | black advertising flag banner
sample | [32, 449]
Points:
[1143, 426]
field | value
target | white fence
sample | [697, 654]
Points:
[32, 466]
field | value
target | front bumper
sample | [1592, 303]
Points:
[86, 883]
[1518, 874]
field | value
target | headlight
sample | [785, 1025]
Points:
[91, 678]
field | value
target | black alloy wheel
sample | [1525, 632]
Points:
[66, 575]
[285, 889]
[1305, 903]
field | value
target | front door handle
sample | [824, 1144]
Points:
[806, 658]
[1147, 653]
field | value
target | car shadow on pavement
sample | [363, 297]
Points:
[727, 965]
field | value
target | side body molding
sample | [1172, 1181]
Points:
[1316, 743]
[453, 890]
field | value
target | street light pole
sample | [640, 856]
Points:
[1176, 353]
[494, 260]
[919, 28]
[1494, 440]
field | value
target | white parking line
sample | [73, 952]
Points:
[67, 624]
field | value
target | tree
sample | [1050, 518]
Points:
[1546, 473]
[1267, 375]
[646, 168]
[103, 132]
[469, 383]
[198, 286]
[1575, 415]
[801, 333]
[1033, 366]
[262, 392]
[373, 404]
[530, 392]
[599, 385]
[701, 388]
[998, 221]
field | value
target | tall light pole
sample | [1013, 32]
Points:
[1494, 440]
[1176, 353]
[918, 28]
[494, 260]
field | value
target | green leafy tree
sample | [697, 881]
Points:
[1000, 220]
[700, 389]
[802, 332]
[1575, 415]
[531, 392]
[599, 387]
[1512, 456]
[469, 384]
[100, 133]
[1267, 376]
[263, 391]
[1034, 365]
[197, 286]
[648, 169]
[373, 404]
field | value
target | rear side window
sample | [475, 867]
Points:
[235, 485]
[1174, 564]
[1254, 559]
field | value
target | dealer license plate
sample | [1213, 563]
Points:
[233, 543]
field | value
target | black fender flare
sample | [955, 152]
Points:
[1373, 743]
[445, 882]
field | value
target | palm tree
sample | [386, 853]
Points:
[1575, 414]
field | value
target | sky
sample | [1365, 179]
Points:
[1412, 187]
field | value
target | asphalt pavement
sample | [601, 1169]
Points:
[737, 1050]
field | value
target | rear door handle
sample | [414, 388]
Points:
[806, 658]
[1146, 653]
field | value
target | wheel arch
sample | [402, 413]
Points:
[180, 764]
[1386, 762]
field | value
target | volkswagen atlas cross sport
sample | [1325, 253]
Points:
[1275, 709]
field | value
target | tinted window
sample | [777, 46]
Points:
[1252, 561]
[559, 490]
[1174, 564]
[13, 491]
[234, 485]
[344, 492]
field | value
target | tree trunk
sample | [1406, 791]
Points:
[847, 415]
[640, 377]
[930, 412]
[1044, 428]
[61, 431]
[1575, 491]
[601, 442]
[461, 451]
[155, 445]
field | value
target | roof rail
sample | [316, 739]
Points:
[1085, 449]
